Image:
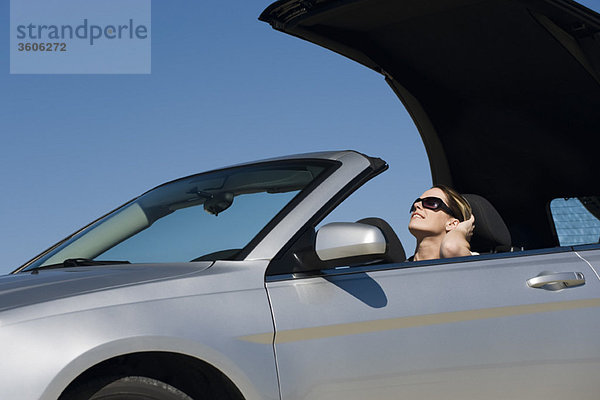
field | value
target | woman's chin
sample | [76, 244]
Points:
[418, 224]
[419, 228]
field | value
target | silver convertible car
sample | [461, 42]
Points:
[229, 284]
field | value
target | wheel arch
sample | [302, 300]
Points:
[156, 356]
[191, 375]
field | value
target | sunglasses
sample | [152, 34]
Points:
[433, 203]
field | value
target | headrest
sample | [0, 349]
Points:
[394, 252]
[491, 233]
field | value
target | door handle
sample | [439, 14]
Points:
[556, 280]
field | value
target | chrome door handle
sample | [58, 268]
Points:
[555, 281]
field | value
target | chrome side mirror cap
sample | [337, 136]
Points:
[342, 240]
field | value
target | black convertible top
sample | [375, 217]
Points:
[505, 93]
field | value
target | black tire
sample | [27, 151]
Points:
[132, 388]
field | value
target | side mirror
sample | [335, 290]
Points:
[345, 240]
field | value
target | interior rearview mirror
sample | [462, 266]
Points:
[219, 202]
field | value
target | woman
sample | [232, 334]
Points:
[442, 222]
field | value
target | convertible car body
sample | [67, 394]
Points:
[227, 285]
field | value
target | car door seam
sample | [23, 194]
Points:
[274, 341]
[588, 263]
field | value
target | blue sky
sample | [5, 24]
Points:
[224, 89]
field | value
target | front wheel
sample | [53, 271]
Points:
[132, 388]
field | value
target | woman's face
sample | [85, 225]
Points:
[425, 222]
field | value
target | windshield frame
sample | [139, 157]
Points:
[329, 166]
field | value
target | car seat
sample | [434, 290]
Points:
[491, 235]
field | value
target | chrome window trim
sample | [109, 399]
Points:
[583, 247]
[415, 264]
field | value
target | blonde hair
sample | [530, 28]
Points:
[457, 203]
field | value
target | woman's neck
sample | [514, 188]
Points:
[428, 248]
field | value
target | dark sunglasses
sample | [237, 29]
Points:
[433, 203]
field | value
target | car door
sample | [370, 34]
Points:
[466, 328]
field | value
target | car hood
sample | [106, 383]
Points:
[23, 289]
[504, 93]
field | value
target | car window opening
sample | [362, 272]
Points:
[576, 220]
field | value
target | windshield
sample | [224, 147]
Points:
[203, 217]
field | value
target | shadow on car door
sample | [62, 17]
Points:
[461, 330]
